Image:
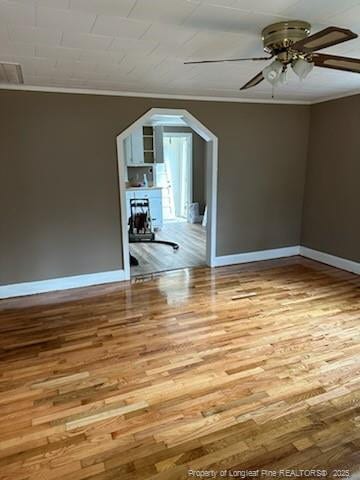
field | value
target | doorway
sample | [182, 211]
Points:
[177, 165]
[175, 176]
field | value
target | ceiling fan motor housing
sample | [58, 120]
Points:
[278, 37]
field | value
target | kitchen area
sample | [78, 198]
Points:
[143, 153]
[164, 166]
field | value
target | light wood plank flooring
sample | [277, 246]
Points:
[245, 367]
[158, 258]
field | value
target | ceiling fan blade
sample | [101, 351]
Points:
[227, 60]
[254, 81]
[325, 38]
[336, 62]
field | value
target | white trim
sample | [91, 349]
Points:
[114, 93]
[209, 137]
[78, 281]
[257, 256]
[211, 194]
[123, 212]
[336, 97]
[65, 283]
[338, 262]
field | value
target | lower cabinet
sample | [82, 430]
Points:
[155, 201]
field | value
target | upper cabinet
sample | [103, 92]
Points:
[134, 148]
[128, 150]
[144, 145]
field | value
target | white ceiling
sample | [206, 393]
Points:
[140, 45]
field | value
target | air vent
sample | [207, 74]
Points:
[11, 73]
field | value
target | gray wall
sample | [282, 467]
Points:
[198, 170]
[331, 216]
[59, 207]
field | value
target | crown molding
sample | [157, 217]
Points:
[336, 97]
[114, 93]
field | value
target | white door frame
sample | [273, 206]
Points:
[212, 169]
[190, 159]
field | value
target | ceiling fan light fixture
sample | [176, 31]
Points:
[302, 68]
[273, 72]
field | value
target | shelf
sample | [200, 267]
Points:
[147, 131]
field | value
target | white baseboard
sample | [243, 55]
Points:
[65, 283]
[338, 262]
[77, 281]
[257, 256]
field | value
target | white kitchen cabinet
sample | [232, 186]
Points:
[155, 203]
[144, 146]
[128, 150]
[134, 148]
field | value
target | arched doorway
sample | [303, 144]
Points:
[211, 173]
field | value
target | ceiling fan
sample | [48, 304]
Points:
[292, 45]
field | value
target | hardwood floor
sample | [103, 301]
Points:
[245, 367]
[158, 258]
